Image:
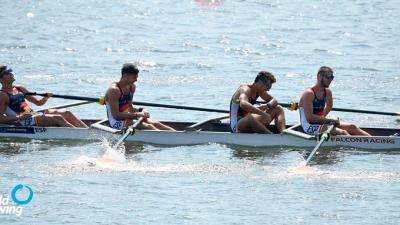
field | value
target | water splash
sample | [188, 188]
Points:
[109, 159]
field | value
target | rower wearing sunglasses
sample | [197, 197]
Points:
[15, 110]
[315, 104]
[246, 117]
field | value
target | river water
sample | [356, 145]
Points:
[196, 54]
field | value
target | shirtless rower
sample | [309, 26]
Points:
[246, 117]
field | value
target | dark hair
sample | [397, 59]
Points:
[2, 69]
[129, 69]
[325, 71]
[265, 76]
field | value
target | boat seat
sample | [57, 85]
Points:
[100, 125]
[293, 130]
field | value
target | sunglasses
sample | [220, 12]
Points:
[6, 72]
[267, 86]
[329, 77]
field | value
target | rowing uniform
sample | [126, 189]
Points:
[236, 112]
[124, 102]
[18, 106]
[318, 109]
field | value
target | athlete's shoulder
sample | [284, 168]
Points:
[308, 91]
[113, 90]
[3, 97]
[328, 91]
[244, 87]
[20, 87]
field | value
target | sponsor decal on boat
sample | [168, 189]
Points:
[17, 130]
[14, 203]
[375, 140]
[23, 130]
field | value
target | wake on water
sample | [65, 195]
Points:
[115, 160]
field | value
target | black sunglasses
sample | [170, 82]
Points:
[6, 72]
[329, 77]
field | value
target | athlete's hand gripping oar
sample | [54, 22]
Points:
[324, 137]
[101, 102]
[130, 131]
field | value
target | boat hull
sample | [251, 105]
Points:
[196, 137]
[261, 140]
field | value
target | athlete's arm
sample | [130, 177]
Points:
[131, 107]
[245, 104]
[329, 102]
[271, 101]
[306, 101]
[31, 98]
[3, 106]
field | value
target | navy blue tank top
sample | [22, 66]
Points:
[17, 102]
[319, 104]
[125, 100]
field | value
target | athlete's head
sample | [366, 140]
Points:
[266, 78]
[325, 76]
[6, 74]
[129, 72]
[129, 69]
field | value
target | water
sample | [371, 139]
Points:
[195, 55]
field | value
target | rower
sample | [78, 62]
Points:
[14, 108]
[315, 104]
[118, 99]
[245, 117]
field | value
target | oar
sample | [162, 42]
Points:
[98, 100]
[324, 137]
[130, 131]
[101, 102]
[66, 105]
[294, 106]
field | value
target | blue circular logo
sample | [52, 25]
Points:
[14, 194]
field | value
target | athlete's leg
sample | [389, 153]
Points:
[49, 120]
[253, 123]
[277, 114]
[335, 131]
[146, 126]
[159, 125]
[69, 116]
[352, 129]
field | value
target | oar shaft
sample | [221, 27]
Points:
[324, 137]
[180, 107]
[135, 103]
[365, 111]
[286, 105]
[290, 105]
[128, 132]
[71, 97]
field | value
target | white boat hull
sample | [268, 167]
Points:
[198, 137]
[260, 140]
